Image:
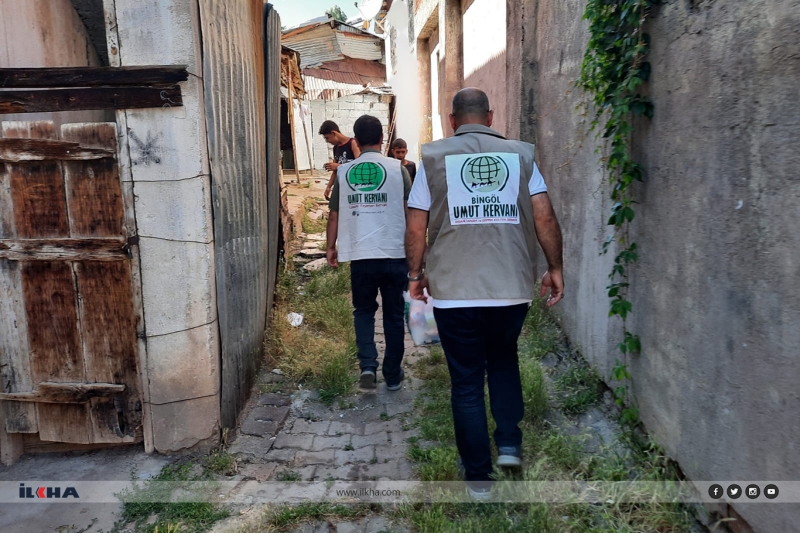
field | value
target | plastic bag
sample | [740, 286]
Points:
[420, 320]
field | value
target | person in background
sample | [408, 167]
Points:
[345, 150]
[399, 150]
[483, 204]
[368, 219]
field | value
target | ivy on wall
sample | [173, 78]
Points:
[613, 70]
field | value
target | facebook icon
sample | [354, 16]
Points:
[715, 491]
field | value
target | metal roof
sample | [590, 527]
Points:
[360, 47]
[322, 89]
[331, 41]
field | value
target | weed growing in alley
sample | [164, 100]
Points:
[152, 500]
[550, 454]
[322, 350]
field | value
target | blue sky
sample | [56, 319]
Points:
[293, 12]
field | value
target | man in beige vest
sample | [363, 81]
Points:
[483, 203]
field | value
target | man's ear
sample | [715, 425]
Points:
[490, 118]
[357, 143]
[452, 118]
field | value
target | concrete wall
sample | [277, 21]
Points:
[403, 79]
[46, 33]
[344, 111]
[165, 160]
[714, 294]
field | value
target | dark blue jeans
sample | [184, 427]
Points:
[481, 341]
[390, 277]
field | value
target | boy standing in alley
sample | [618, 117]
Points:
[345, 150]
[368, 218]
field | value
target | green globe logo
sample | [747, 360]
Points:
[484, 174]
[366, 177]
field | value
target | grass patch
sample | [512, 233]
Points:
[321, 351]
[286, 518]
[169, 516]
[311, 226]
[549, 454]
[221, 462]
[289, 476]
[581, 388]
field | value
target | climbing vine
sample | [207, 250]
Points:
[613, 70]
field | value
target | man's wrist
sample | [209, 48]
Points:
[419, 275]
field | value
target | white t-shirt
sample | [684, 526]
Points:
[420, 198]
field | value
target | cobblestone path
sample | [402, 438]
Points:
[362, 437]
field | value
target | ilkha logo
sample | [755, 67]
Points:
[366, 177]
[484, 174]
[46, 492]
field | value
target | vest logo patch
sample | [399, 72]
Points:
[483, 188]
[366, 177]
[484, 174]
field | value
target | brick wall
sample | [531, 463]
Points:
[344, 111]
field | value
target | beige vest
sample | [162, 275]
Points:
[481, 233]
[372, 216]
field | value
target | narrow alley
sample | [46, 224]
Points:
[399, 266]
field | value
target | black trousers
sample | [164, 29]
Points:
[480, 342]
[390, 277]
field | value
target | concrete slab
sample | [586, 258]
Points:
[117, 464]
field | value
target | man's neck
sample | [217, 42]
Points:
[342, 140]
[371, 148]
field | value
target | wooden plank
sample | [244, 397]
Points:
[109, 342]
[15, 356]
[11, 444]
[53, 392]
[17, 150]
[94, 192]
[33, 444]
[50, 302]
[92, 76]
[36, 101]
[97, 249]
[15, 367]
[64, 422]
[37, 188]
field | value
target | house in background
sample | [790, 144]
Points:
[344, 74]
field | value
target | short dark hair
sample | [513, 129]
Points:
[328, 126]
[470, 102]
[368, 130]
[399, 143]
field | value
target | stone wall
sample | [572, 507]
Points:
[714, 293]
[345, 111]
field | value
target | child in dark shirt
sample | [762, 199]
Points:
[399, 150]
[345, 149]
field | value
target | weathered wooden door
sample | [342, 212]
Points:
[68, 341]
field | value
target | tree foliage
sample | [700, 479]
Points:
[336, 13]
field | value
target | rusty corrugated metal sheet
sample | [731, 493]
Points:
[234, 86]
[315, 87]
[315, 46]
[321, 89]
[360, 46]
